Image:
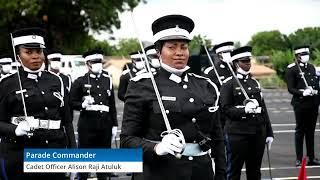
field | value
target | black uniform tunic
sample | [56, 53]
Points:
[44, 100]
[66, 81]
[124, 82]
[186, 100]
[305, 107]
[94, 127]
[222, 69]
[245, 134]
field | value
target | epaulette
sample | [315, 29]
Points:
[106, 75]
[141, 76]
[105, 71]
[141, 71]
[206, 71]
[125, 72]
[6, 76]
[291, 65]
[226, 80]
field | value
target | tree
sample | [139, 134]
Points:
[263, 43]
[280, 61]
[196, 42]
[67, 22]
[306, 36]
[126, 46]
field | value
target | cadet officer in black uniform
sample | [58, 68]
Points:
[5, 65]
[190, 102]
[223, 51]
[247, 127]
[138, 68]
[54, 58]
[128, 73]
[46, 122]
[305, 102]
[152, 55]
[93, 95]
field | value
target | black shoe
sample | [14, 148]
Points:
[313, 162]
[298, 163]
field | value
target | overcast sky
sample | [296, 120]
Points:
[224, 20]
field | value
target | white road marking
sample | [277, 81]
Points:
[277, 125]
[283, 168]
[308, 177]
[290, 131]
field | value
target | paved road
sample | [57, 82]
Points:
[282, 154]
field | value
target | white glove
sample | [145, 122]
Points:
[307, 92]
[88, 100]
[269, 141]
[255, 102]
[114, 132]
[250, 107]
[170, 144]
[22, 129]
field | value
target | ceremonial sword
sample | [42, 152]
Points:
[20, 86]
[302, 74]
[211, 61]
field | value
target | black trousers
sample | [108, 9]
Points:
[170, 168]
[11, 161]
[94, 138]
[306, 120]
[244, 148]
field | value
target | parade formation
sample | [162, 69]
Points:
[190, 126]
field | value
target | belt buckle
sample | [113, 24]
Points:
[44, 124]
[17, 120]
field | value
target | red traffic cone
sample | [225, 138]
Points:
[302, 171]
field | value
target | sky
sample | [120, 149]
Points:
[222, 20]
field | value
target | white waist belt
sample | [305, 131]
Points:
[96, 107]
[193, 149]
[37, 123]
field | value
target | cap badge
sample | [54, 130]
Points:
[177, 29]
[34, 37]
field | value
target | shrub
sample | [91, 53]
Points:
[280, 60]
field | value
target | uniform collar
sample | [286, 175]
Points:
[178, 79]
[134, 70]
[303, 64]
[242, 76]
[178, 72]
[31, 75]
[94, 75]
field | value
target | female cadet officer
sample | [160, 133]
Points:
[247, 127]
[46, 123]
[190, 102]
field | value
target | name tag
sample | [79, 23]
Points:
[32, 76]
[168, 98]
